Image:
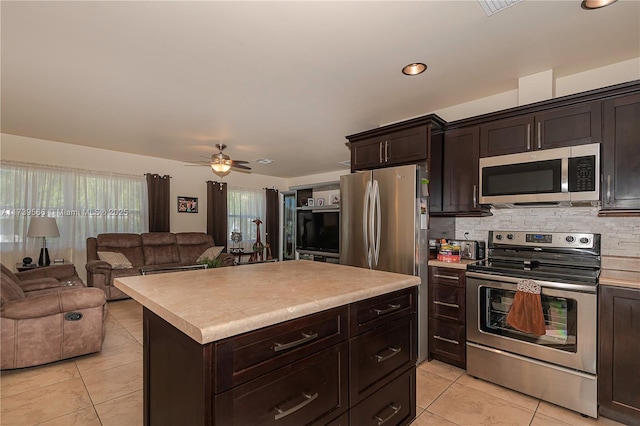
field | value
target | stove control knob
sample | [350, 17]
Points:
[509, 236]
[584, 240]
[570, 238]
[499, 237]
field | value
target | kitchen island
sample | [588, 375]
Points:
[285, 343]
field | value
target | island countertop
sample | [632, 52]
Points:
[213, 304]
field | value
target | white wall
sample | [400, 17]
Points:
[186, 181]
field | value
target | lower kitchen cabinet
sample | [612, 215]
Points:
[618, 360]
[447, 325]
[354, 364]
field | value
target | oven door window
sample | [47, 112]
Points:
[560, 317]
[538, 177]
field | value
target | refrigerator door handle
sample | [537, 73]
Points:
[365, 222]
[371, 222]
[378, 222]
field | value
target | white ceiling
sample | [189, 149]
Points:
[282, 80]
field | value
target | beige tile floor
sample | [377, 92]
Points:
[106, 389]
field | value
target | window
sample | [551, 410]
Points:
[243, 207]
[85, 203]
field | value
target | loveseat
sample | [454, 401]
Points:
[45, 319]
[143, 252]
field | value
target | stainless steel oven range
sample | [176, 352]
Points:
[559, 366]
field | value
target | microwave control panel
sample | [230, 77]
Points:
[582, 174]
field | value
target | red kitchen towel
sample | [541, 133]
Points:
[526, 312]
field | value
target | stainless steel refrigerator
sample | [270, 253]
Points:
[383, 226]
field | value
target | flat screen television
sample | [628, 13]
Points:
[318, 231]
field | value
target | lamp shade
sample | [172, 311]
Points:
[43, 227]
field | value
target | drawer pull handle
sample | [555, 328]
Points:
[394, 408]
[444, 339]
[306, 337]
[446, 277]
[307, 400]
[450, 305]
[391, 352]
[390, 308]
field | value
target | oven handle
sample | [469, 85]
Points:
[546, 284]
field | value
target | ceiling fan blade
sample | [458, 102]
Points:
[240, 167]
[199, 163]
[239, 162]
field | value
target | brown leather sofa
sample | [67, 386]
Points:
[149, 251]
[44, 319]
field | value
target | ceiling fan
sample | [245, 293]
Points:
[220, 162]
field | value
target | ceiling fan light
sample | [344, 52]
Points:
[596, 4]
[220, 167]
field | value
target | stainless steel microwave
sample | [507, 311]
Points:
[560, 176]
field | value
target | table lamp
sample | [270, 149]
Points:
[43, 227]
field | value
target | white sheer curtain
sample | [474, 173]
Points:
[84, 203]
[243, 207]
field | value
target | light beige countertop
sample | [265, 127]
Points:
[620, 271]
[461, 264]
[212, 304]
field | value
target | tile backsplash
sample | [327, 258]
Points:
[620, 235]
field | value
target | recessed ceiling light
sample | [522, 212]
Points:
[414, 69]
[596, 4]
[264, 161]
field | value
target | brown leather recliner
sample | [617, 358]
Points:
[43, 320]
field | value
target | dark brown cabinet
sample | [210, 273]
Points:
[555, 128]
[618, 366]
[460, 172]
[317, 369]
[447, 324]
[401, 147]
[621, 154]
[407, 142]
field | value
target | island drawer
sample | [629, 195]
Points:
[311, 391]
[377, 356]
[393, 405]
[377, 311]
[250, 355]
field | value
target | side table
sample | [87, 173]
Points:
[21, 267]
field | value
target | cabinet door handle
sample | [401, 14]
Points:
[539, 135]
[446, 277]
[394, 410]
[450, 305]
[390, 353]
[475, 196]
[306, 337]
[386, 151]
[308, 398]
[444, 339]
[608, 189]
[528, 137]
[380, 152]
[390, 308]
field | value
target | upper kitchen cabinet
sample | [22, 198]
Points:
[460, 173]
[621, 155]
[555, 128]
[407, 142]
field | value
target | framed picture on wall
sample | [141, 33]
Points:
[187, 205]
